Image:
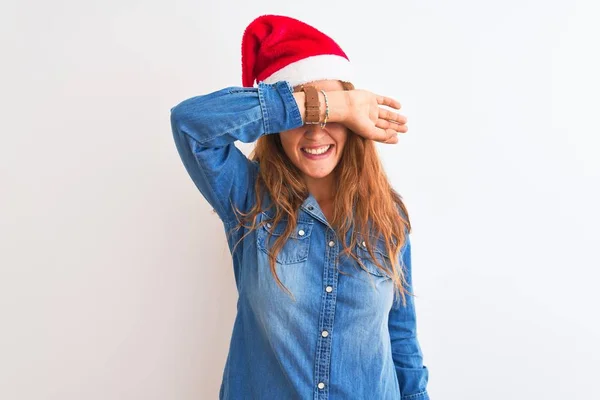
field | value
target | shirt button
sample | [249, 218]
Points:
[301, 232]
[328, 289]
[321, 385]
[324, 333]
[269, 225]
[331, 243]
[364, 244]
[310, 208]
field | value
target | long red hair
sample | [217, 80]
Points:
[361, 184]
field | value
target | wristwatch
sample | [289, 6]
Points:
[311, 104]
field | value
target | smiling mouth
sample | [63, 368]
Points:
[317, 150]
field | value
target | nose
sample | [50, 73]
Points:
[314, 131]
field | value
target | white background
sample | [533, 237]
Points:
[116, 281]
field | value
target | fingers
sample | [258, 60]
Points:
[387, 131]
[392, 123]
[386, 136]
[388, 101]
[384, 132]
[392, 127]
[389, 123]
[391, 116]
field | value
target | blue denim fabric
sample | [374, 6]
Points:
[343, 338]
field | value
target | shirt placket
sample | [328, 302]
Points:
[323, 356]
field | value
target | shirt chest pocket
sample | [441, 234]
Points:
[297, 246]
[381, 256]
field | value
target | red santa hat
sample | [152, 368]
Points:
[279, 48]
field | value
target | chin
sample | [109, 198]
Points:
[318, 175]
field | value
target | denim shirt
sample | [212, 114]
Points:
[343, 337]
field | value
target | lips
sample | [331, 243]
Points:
[317, 150]
[316, 147]
[318, 156]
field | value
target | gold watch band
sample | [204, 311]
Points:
[311, 104]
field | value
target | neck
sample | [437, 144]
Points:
[322, 189]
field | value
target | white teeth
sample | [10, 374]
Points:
[319, 150]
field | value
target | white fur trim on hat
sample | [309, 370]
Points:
[314, 68]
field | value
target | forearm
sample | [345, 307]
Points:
[206, 127]
[235, 113]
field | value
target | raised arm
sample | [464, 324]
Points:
[206, 127]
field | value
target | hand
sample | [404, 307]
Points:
[366, 118]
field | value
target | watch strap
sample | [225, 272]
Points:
[311, 104]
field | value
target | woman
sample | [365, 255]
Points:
[311, 221]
